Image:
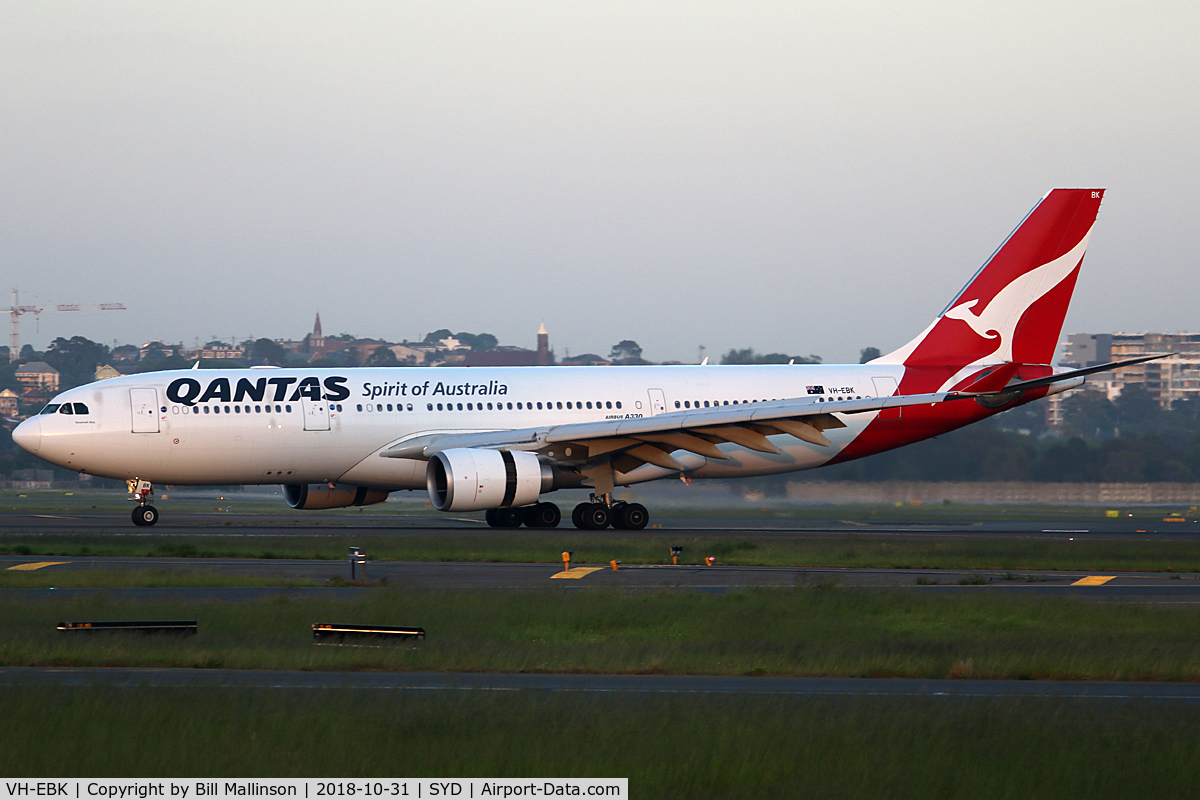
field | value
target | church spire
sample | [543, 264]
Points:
[317, 327]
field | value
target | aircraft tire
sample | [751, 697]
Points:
[145, 515]
[595, 517]
[508, 517]
[542, 515]
[630, 517]
[489, 517]
[577, 514]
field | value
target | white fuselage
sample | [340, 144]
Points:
[266, 426]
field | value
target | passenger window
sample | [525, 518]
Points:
[619, 404]
[379, 407]
[50, 409]
[409, 406]
[560, 404]
[568, 404]
[539, 406]
[519, 407]
[206, 409]
[216, 409]
[460, 406]
[677, 404]
[389, 405]
[608, 403]
[510, 406]
[589, 404]
[237, 409]
[360, 406]
[258, 409]
[439, 406]
[66, 409]
[287, 408]
[226, 409]
[489, 406]
[429, 406]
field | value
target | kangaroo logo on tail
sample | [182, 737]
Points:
[999, 318]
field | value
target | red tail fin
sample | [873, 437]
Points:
[1013, 309]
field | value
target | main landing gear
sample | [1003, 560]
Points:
[601, 511]
[144, 514]
[594, 515]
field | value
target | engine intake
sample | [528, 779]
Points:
[310, 496]
[473, 479]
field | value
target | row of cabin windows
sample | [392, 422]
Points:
[66, 408]
[706, 404]
[267, 409]
[520, 406]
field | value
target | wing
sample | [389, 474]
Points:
[629, 443]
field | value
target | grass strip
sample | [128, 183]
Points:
[693, 747]
[141, 579]
[808, 631]
[851, 550]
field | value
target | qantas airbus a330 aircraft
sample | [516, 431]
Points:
[498, 439]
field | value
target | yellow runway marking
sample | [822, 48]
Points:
[36, 565]
[576, 573]
[1094, 580]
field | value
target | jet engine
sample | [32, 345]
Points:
[473, 479]
[310, 496]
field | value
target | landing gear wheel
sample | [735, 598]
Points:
[508, 517]
[542, 515]
[577, 514]
[593, 516]
[145, 515]
[630, 517]
[489, 516]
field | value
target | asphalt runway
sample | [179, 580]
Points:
[1149, 587]
[1103, 691]
[302, 523]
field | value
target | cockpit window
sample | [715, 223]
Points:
[66, 409]
[50, 409]
[80, 408]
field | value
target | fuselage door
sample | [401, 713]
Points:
[886, 387]
[658, 402]
[316, 414]
[144, 405]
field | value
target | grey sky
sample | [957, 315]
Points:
[801, 178]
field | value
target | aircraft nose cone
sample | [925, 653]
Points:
[28, 435]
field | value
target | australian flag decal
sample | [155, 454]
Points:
[816, 389]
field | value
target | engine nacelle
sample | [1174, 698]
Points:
[472, 479]
[309, 496]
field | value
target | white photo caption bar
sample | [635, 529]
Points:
[309, 788]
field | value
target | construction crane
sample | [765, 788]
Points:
[15, 312]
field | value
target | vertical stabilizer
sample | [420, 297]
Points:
[1013, 308]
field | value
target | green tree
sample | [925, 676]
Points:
[382, 357]
[75, 359]
[626, 351]
[433, 337]
[868, 354]
[265, 351]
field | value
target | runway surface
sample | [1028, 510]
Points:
[302, 523]
[1110, 691]
[1149, 587]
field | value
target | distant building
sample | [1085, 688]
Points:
[1166, 380]
[9, 401]
[220, 351]
[166, 349]
[545, 356]
[37, 377]
[106, 371]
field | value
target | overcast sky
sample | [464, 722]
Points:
[796, 177]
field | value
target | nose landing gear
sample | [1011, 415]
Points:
[144, 514]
